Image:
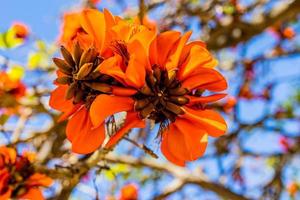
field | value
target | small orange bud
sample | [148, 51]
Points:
[288, 33]
[229, 104]
[95, 1]
[292, 189]
[22, 31]
[129, 192]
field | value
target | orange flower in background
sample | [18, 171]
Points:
[229, 104]
[21, 30]
[288, 33]
[129, 192]
[10, 90]
[79, 80]
[165, 80]
[95, 1]
[17, 176]
[292, 189]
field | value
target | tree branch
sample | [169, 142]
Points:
[186, 176]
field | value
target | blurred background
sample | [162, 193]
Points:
[257, 43]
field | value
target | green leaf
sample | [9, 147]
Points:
[37, 59]
[41, 45]
[11, 40]
[3, 119]
[229, 10]
[115, 170]
[2, 41]
[16, 72]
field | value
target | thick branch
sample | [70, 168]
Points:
[186, 176]
[223, 36]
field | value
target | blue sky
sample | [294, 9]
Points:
[42, 16]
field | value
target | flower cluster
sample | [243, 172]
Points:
[18, 178]
[109, 65]
[11, 90]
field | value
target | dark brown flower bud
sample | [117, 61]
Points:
[179, 100]
[77, 53]
[178, 91]
[63, 66]
[67, 56]
[147, 110]
[71, 91]
[64, 80]
[174, 108]
[84, 70]
[102, 87]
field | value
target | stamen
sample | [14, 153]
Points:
[162, 97]
[120, 48]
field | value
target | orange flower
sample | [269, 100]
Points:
[95, 1]
[10, 90]
[292, 189]
[14, 87]
[17, 177]
[288, 33]
[129, 192]
[229, 104]
[79, 79]
[21, 30]
[165, 78]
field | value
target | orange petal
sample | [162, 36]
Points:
[111, 67]
[93, 22]
[187, 50]
[32, 194]
[205, 99]
[38, 179]
[198, 57]
[195, 139]
[206, 79]
[110, 22]
[146, 21]
[105, 106]
[69, 113]
[6, 195]
[109, 19]
[70, 27]
[84, 138]
[58, 101]
[59, 73]
[169, 156]
[135, 73]
[132, 121]
[184, 141]
[89, 140]
[177, 50]
[4, 179]
[8, 154]
[161, 46]
[122, 31]
[211, 121]
[122, 91]
[144, 38]
[85, 40]
[141, 55]
[77, 123]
